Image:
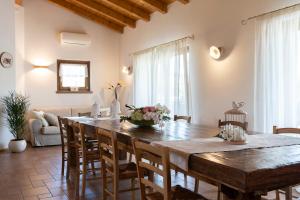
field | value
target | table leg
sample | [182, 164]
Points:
[231, 194]
[288, 193]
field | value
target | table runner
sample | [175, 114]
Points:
[181, 150]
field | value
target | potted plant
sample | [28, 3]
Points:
[15, 108]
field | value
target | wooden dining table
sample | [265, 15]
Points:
[244, 174]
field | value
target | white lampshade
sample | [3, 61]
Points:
[215, 52]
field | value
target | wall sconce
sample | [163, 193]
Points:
[40, 67]
[127, 69]
[215, 52]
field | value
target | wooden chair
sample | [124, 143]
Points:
[146, 154]
[287, 191]
[111, 168]
[187, 118]
[86, 153]
[195, 176]
[64, 144]
[234, 123]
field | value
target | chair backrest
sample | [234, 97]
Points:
[79, 137]
[187, 118]
[285, 130]
[243, 125]
[86, 114]
[63, 127]
[145, 155]
[108, 146]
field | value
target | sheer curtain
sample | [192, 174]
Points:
[73, 75]
[161, 75]
[277, 80]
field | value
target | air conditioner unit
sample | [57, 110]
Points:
[75, 39]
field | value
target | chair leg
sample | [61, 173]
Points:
[104, 179]
[289, 193]
[219, 192]
[130, 157]
[132, 188]
[84, 172]
[77, 183]
[68, 170]
[93, 168]
[277, 195]
[115, 187]
[196, 185]
[185, 180]
[63, 163]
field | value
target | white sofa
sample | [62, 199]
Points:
[39, 135]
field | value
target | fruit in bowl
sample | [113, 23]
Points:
[147, 116]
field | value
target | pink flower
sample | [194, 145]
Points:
[149, 109]
[152, 109]
[145, 109]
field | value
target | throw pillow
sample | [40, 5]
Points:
[51, 118]
[40, 115]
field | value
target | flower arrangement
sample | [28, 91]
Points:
[115, 89]
[147, 116]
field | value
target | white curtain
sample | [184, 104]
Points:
[277, 80]
[161, 75]
[73, 75]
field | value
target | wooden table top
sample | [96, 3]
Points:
[252, 170]
[171, 131]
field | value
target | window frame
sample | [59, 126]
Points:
[81, 90]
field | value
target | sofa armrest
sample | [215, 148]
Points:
[35, 126]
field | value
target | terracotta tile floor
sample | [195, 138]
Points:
[35, 174]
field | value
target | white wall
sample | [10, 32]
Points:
[215, 84]
[43, 23]
[7, 43]
[20, 50]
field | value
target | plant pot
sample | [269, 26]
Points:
[17, 146]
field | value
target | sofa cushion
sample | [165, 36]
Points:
[52, 119]
[50, 130]
[40, 115]
[62, 112]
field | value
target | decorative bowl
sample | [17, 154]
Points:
[142, 122]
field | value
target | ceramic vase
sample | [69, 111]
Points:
[115, 109]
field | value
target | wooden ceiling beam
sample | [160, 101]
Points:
[157, 5]
[88, 15]
[129, 8]
[184, 1]
[100, 9]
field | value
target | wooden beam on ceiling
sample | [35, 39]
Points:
[184, 1]
[19, 2]
[157, 5]
[105, 11]
[129, 8]
[88, 15]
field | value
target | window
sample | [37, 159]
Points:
[277, 71]
[161, 75]
[73, 76]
